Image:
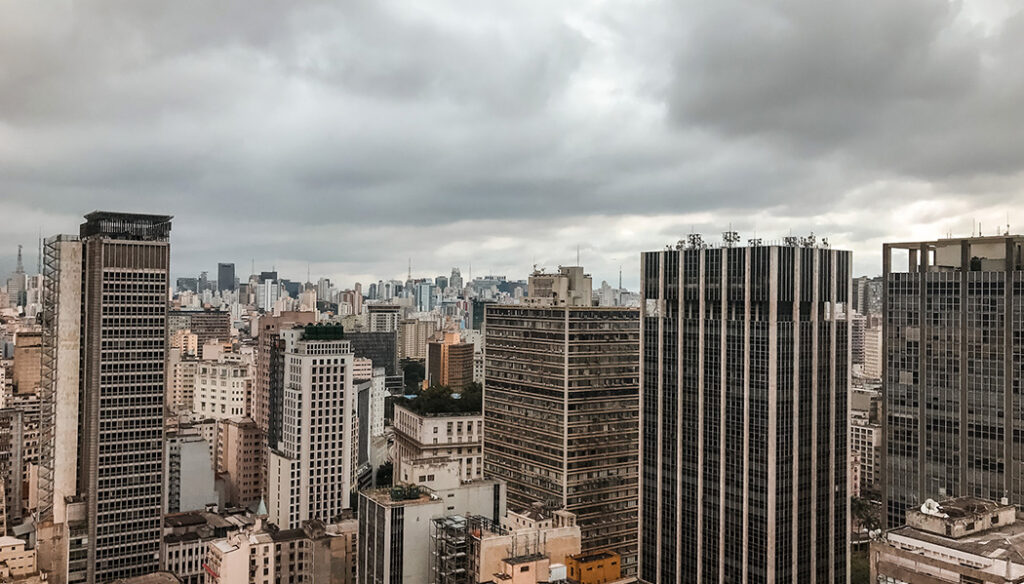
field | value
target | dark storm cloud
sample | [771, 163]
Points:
[355, 135]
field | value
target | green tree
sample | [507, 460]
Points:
[866, 513]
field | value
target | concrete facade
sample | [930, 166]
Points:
[442, 436]
[241, 455]
[312, 472]
[122, 261]
[561, 411]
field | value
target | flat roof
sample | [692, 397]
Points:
[997, 542]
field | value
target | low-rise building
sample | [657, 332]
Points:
[431, 435]
[959, 541]
[15, 560]
[187, 536]
[601, 567]
[394, 524]
[315, 554]
[527, 548]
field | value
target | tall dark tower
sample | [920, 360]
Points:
[226, 277]
[743, 416]
[953, 324]
[101, 421]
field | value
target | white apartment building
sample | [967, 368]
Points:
[223, 388]
[394, 543]
[866, 441]
[442, 435]
[312, 471]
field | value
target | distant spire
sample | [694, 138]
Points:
[410, 270]
[20, 269]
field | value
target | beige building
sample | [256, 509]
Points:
[413, 335]
[959, 541]
[240, 460]
[223, 388]
[26, 369]
[315, 554]
[449, 362]
[570, 286]
[437, 436]
[180, 381]
[872, 368]
[186, 341]
[15, 560]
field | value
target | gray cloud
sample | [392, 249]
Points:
[355, 135]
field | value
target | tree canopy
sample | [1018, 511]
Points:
[440, 399]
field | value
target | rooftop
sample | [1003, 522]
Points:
[996, 543]
[384, 497]
[594, 557]
[131, 226]
[153, 578]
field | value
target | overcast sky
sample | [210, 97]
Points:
[354, 135]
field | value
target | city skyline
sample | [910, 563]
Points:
[297, 270]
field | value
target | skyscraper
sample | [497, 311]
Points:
[101, 438]
[17, 284]
[952, 371]
[744, 414]
[226, 277]
[313, 466]
[561, 411]
[455, 280]
[449, 362]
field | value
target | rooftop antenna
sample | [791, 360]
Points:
[253, 266]
[307, 273]
[39, 256]
[577, 254]
[410, 269]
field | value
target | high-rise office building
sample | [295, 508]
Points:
[455, 281]
[269, 382]
[226, 277]
[312, 469]
[104, 335]
[952, 372]
[744, 414]
[560, 414]
[17, 284]
[478, 310]
[449, 362]
[424, 296]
